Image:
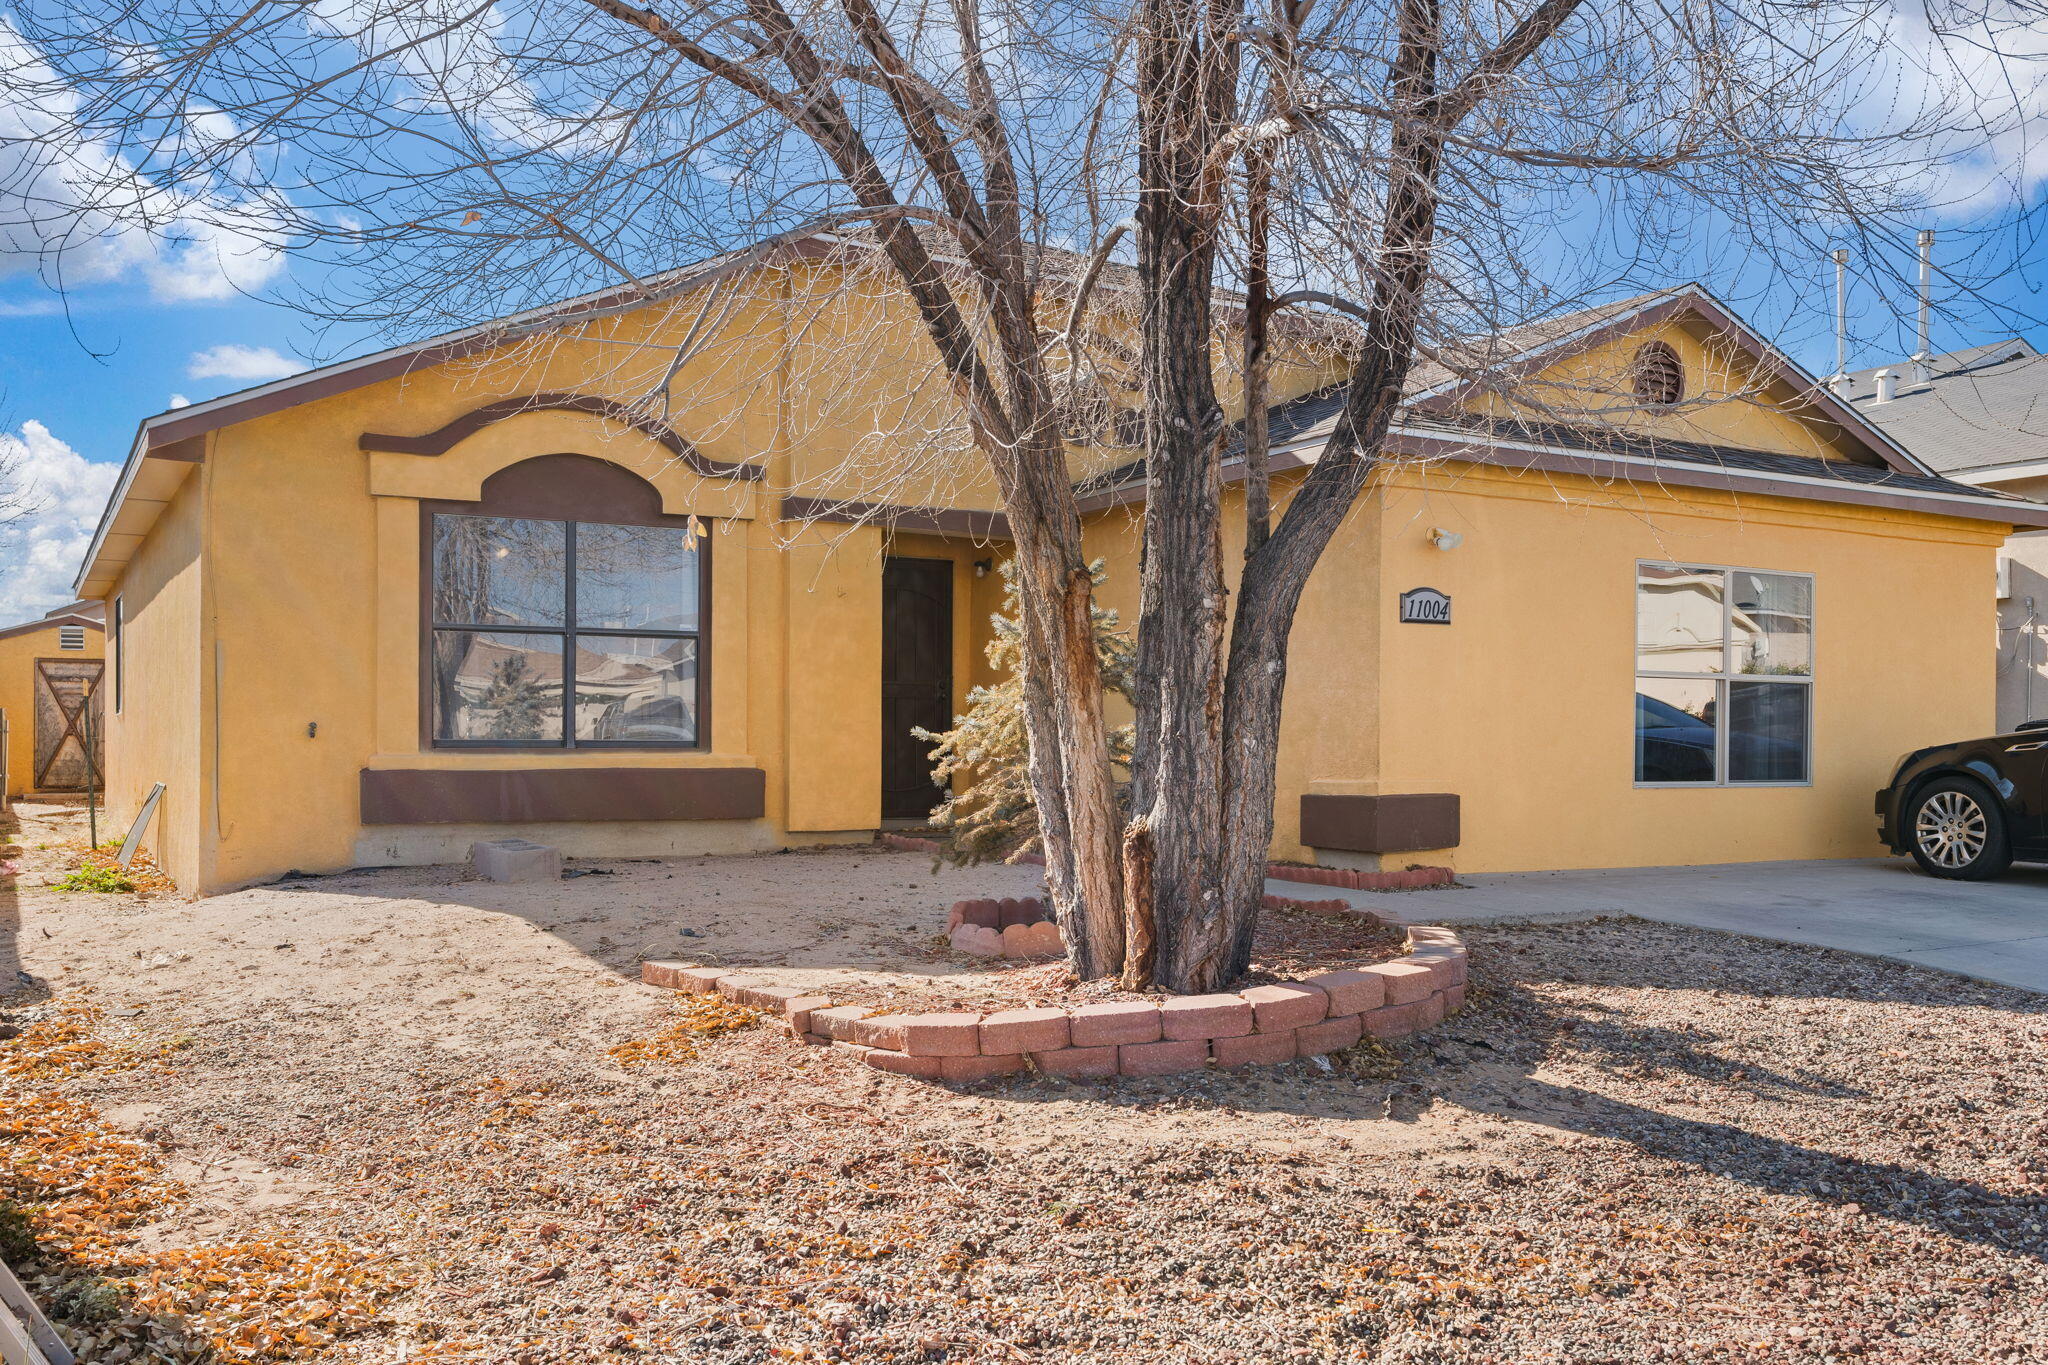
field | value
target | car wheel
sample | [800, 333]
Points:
[1956, 830]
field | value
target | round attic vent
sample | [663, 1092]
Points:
[1659, 378]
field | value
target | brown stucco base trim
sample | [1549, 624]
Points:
[1380, 824]
[441, 796]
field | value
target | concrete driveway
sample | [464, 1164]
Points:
[1995, 931]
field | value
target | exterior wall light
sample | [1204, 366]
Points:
[1445, 540]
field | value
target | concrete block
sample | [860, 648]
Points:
[1286, 1006]
[516, 860]
[1185, 1017]
[1117, 1022]
[1255, 1049]
[956, 1034]
[1406, 982]
[1332, 1035]
[1163, 1059]
[1028, 1030]
[1077, 1061]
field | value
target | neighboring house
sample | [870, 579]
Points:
[50, 671]
[1980, 417]
[1655, 604]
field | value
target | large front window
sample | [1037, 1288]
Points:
[563, 634]
[1724, 676]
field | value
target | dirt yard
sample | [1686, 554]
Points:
[1640, 1143]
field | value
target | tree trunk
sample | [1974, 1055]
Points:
[1186, 87]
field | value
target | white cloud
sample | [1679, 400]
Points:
[452, 58]
[74, 210]
[232, 361]
[64, 493]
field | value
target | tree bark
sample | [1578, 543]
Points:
[1186, 83]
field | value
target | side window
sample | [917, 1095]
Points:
[118, 619]
[1724, 676]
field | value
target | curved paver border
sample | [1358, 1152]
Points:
[1259, 1026]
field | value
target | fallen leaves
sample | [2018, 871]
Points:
[74, 1194]
[698, 1017]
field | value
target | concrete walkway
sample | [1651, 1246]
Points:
[1994, 931]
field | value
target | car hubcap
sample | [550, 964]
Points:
[1951, 829]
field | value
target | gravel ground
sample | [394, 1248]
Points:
[1640, 1143]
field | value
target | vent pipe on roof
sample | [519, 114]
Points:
[1839, 381]
[1923, 359]
[1887, 385]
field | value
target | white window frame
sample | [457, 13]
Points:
[1727, 674]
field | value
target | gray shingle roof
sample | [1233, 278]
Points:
[1980, 408]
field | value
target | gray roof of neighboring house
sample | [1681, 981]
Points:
[1980, 408]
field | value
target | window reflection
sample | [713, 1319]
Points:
[1767, 732]
[1771, 618]
[495, 685]
[1676, 730]
[635, 578]
[499, 571]
[636, 690]
[1681, 626]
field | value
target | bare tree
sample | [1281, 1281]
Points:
[1398, 182]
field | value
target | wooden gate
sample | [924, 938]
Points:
[62, 689]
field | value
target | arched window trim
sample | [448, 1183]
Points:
[566, 487]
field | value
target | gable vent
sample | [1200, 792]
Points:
[71, 637]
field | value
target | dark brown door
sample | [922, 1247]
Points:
[917, 679]
[62, 725]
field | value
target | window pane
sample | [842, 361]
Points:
[497, 685]
[1679, 621]
[1772, 622]
[635, 578]
[1675, 725]
[1767, 731]
[638, 691]
[499, 571]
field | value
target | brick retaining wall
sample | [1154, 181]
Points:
[1259, 1026]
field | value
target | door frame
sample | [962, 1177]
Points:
[40, 770]
[946, 611]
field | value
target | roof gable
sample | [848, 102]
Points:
[1573, 370]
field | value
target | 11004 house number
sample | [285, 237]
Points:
[1426, 606]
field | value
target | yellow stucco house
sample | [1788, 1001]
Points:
[50, 672]
[474, 588]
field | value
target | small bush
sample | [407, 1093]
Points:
[96, 877]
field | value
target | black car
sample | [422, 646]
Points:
[1967, 810]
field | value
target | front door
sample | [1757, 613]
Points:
[917, 680]
[62, 725]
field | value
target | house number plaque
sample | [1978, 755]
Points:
[1426, 606]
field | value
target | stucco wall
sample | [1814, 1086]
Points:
[162, 731]
[18, 655]
[1524, 705]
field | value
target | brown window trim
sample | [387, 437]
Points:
[564, 487]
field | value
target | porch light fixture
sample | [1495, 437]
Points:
[1445, 539]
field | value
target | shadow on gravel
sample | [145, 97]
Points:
[1486, 1060]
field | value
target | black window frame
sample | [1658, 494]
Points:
[573, 491]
